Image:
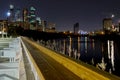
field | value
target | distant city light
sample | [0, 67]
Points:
[118, 21]
[11, 6]
[8, 14]
[82, 32]
[113, 16]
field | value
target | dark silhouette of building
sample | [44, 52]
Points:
[76, 28]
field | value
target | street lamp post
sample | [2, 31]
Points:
[8, 15]
[8, 19]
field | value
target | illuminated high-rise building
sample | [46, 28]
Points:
[44, 25]
[38, 23]
[107, 24]
[25, 15]
[50, 27]
[25, 18]
[38, 20]
[32, 18]
[32, 15]
[17, 15]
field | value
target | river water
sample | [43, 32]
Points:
[103, 54]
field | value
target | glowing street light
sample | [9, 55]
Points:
[8, 14]
[112, 15]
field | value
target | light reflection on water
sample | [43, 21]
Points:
[101, 54]
[104, 55]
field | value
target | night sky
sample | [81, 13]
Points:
[64, 13]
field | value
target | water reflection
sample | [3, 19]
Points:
[70, 47]
[111, 53]
[101, 54]
[78, 50]
[107, 60]
[93, 44]
[64, 48]
[85, 44]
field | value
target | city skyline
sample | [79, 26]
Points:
[89, 14]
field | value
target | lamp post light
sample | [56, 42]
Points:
[8, 21]
[112, 16]
[8, 15]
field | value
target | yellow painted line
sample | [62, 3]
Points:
[79, 70]
[34, 64]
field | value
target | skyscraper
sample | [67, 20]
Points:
[32, 14]
[38, 20]
[44, 25]
[107, 24]
[76, 28]
[17, 15]
[25, 15]
[32, 19]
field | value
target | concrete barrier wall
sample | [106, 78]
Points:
[36, 71]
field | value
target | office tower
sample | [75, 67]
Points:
[32, 15]
[44, 25]
[25, 15]
[51, 25]
[38, 23]
[76, 28]
[17, 15]
[38, 20]
[107, 24]
[32, 18]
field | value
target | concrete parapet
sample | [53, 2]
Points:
[37, 73]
